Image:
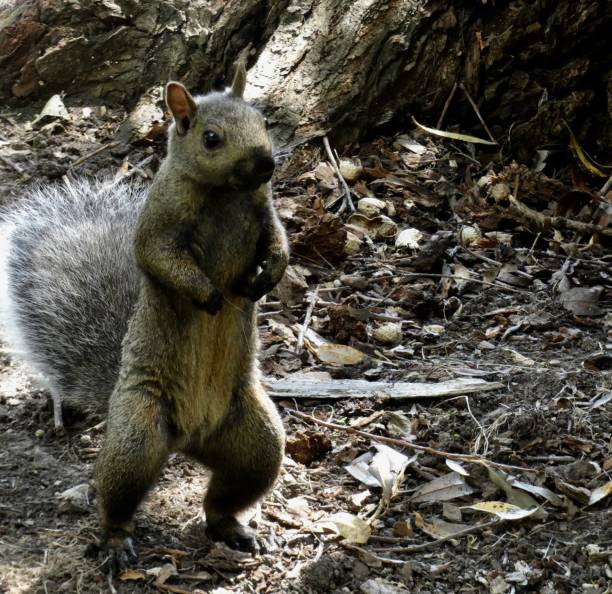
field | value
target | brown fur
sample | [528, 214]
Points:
[210, 244]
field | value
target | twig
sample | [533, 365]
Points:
[606, 187]
[544, 222]
[88, 156]
[313, 301]
[109, 581]
[406, 444]
[366, 552]
[482, 431]
[12, 165]
[347, 202]
[433, 543]
[475, 107]
[446, 105]
[499, 285]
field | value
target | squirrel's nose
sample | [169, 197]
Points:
[264, 167]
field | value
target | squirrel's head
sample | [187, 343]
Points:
[219, 139]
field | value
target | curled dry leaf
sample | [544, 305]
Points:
[409, 238]
[600, 493]
[338, 354]
[350, 169]
[53, 109]
[370, 207]
[469, 235]
[308, 446]
[389, 333]
[399, 424]
[378, 227]
[384, 469]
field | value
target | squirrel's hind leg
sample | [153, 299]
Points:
[135, 450]
[245, 455]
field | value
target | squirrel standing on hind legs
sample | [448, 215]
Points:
[209, 244]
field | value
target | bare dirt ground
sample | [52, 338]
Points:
[472, 291]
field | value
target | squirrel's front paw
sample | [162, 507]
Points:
[213, 304]
[255, 286]
[115, 554]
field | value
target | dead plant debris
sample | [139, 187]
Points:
[440, 349]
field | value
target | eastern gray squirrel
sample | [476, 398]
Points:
[148, 298]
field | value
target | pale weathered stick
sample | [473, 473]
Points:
[345, 388]
[313, 301]
[544, 222]
[347, 191]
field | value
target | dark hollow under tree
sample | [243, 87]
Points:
[347, 68]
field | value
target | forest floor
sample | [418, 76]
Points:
[439, 276]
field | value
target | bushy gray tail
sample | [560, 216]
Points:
[68, 285]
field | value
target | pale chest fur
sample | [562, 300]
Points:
[191, 361]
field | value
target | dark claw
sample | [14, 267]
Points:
[255, 289]
[114, 558]
[236, 536]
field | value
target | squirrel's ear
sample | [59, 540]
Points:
[181, 104]
[239, 82]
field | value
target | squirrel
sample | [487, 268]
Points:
[145, 302]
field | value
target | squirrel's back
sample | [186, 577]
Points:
[69, 282]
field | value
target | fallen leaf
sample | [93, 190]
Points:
[547, 494]
[584, 160]
[503, 510]
[411, 144]
[582, 301]
[402, 528]
[298, 506]
[370, 207]
[437, 528]
[409, 238]
[132, 575]
[308, 446]
[456, 467]
[54, 109]
[350, 527]
[381, 469]
[399, 424]
[444, 488]
[454, 135]
[338, 354]
[600, 493]
[389, 333]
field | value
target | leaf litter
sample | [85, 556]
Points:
[464, 306]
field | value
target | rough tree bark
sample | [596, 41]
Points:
[343, 67]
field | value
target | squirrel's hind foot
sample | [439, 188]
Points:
[234, 535]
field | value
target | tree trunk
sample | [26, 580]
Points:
[345, 68]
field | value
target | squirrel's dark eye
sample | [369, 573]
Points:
[266, 122]
[211, 139]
